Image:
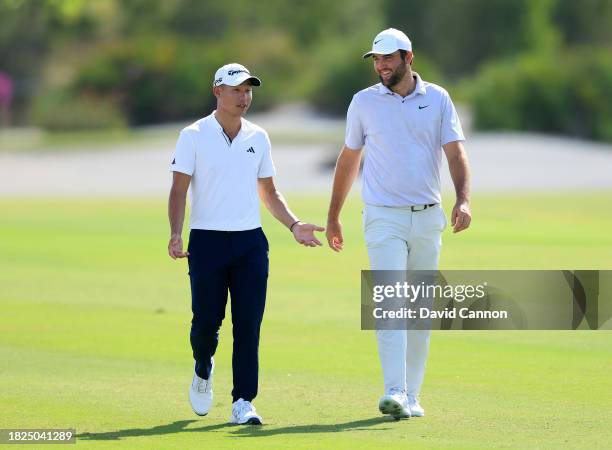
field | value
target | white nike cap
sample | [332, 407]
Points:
[234, 74]
[388, 41]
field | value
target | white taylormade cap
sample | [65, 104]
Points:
[388, 41]
[234, 74]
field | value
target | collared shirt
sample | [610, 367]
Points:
[223, 173]
[403, 139]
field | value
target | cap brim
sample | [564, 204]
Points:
[254, 80]
[381, 52]
[384, 51]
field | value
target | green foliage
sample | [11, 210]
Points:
[62, 111]
[344, 73]
[568, 94]
[163, 79]
[541, 34]
[274, 58]
[308, 24]
[155, 58]
[459, 35]
[28, 29]
[152, 80]
[587, 22]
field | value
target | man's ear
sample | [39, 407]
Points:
[216, 91]
[410, 57]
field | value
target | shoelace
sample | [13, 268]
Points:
[202, 386]
[243, 407]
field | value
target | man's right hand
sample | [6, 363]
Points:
[175, 247]
[334, 235]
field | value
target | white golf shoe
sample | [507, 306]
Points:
[395, 404]
[416, 410]
[243, 412]
[201, 393]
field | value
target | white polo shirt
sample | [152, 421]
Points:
[224, 174]
[403, 139]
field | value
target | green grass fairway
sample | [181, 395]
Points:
[95, 316]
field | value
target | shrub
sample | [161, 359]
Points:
[161, 79]
[567, 94]
[61, 111]
[152, 80]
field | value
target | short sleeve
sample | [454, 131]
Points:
[183, 159]
[266, 165]
[451, 125]
[354, 138]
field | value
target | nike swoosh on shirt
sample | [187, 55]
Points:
[423, 107]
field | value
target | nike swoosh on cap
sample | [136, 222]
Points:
[376, 42]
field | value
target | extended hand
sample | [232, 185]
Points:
[334, 235]
[461, 216]
[304, 234]
[175, 247]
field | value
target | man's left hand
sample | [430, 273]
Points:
[461, 216]
[304, 234]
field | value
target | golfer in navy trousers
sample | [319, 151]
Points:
[226, 162]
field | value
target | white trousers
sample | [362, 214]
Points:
[401, 239]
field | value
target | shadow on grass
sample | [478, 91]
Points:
[354, 425]
[179, 426]
[171, 428]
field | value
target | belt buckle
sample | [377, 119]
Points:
[419, 208]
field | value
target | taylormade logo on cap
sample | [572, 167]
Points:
[234, 74]
[388, 41]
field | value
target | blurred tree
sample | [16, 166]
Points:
[587, 22]
[309, 23]
[27, 30]
[531, 92]
[162, 68]
[22, 54]
[130, 49]
[458, 35]
[542, 35]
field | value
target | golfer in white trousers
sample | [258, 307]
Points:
[404, 124]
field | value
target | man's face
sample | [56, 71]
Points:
[391, 68]
[235, 100]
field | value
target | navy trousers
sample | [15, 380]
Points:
[234, 262]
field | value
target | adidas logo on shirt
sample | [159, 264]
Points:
[250, 150]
